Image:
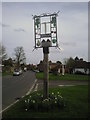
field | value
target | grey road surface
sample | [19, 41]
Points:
[14, 87]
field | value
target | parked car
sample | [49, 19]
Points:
[16, 73]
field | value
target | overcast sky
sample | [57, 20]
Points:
[17, 29]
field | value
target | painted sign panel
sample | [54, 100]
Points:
[45, 27]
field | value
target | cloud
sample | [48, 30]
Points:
[4, 25]
[19, 30]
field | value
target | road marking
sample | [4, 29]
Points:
[31, 87]
[21, 97]
[9, 106]
[36, 88]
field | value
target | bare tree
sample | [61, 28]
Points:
[19, 56]
[3, 54]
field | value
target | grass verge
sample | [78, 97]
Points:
[76, 100]
[6, 73]
[63, 77]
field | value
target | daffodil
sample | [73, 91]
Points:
[28, 100]
[55, 98]
[25, 101]
[25, 109]
[57, 92]
[33, 101]
[52, 93]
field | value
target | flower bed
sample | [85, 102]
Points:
[38, 103]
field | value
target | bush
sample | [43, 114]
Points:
[38, 103]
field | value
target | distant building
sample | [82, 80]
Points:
[82, 67]
[53, 67]
[31, 67]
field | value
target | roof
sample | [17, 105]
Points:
[82, 64]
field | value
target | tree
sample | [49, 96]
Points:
[8, 62]
[3, 54]
[59, 62]
[19, 56]
[8, 65]
[70, 63]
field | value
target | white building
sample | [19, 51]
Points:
[82, 70]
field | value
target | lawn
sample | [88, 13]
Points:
[76, 105]
[63, 77]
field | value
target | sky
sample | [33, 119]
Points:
[18, 29]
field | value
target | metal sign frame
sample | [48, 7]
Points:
[52, 35]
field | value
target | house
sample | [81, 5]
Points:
[30, 67]
[53, 67]
[82, 67]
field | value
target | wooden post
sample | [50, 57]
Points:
[46, 71]
[62, 69]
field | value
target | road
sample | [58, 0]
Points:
[14, 87]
